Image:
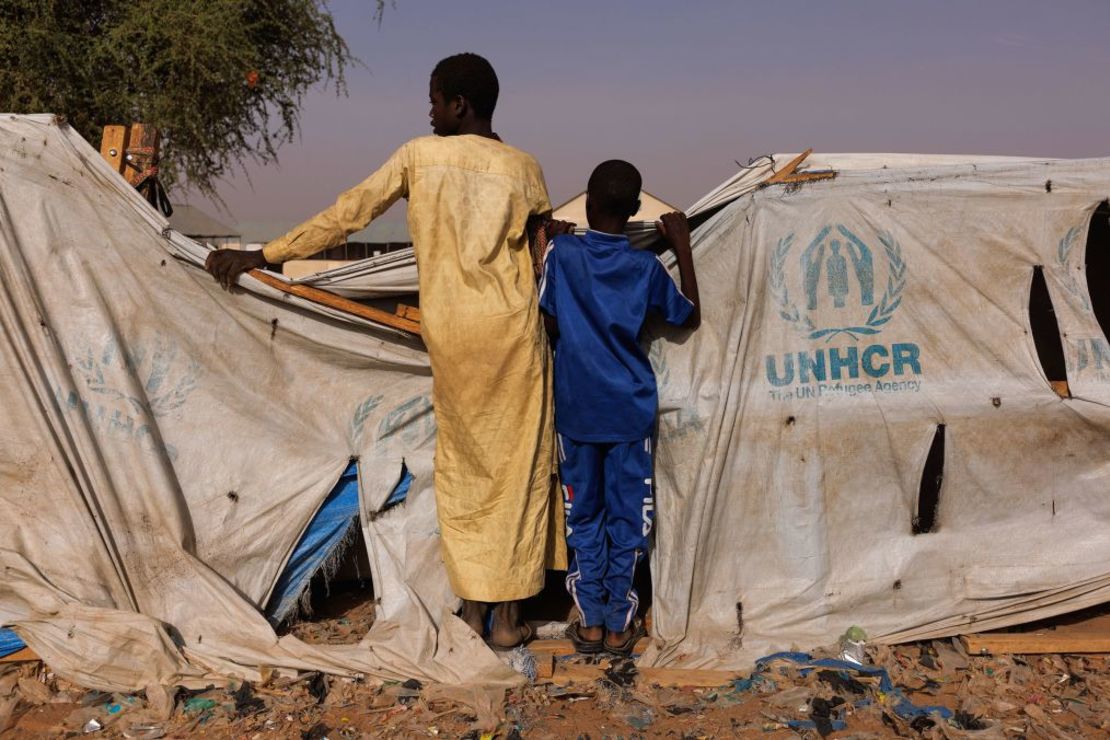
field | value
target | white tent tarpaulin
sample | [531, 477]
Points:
[164, 444]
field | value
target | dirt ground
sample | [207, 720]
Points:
[1053, 696]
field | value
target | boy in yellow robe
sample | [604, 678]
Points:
[470, 198]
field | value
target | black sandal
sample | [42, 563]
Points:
[624, 650]
[581, 644]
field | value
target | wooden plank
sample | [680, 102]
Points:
[25, 655]
[412, 313]
[1034, 643]
[337, 302]
[789, 169]
[142, 152]
[808, 177]
[789, 174]
[113, 146]
[1061, 388]
[545, 666]
[566, 647]
[697, 678]
[1069, 633]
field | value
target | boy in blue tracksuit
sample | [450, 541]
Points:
[595, 294]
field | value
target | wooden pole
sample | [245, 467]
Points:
[789, 174]
[113, 146]
[338, 302]
[142, 152]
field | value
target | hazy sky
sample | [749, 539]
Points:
[683, 88]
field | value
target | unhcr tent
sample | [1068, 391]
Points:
[166, 447]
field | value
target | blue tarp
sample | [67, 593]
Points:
[326, 534]
[895, 698]
[9, 642]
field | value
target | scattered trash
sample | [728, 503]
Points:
[931, 690]
[840, 681]
[318, 687]
[640, 719]
[34, 691]
[852, 645]
[621, 671]
[796, 697]
[821, 714]
[246, 703]
[965, 721]
[523, 661]
[94, 697]
[160, 700]
[198, 704]
[756, 681]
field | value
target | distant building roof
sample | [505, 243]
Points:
[651, 208]
[378, 232]
[193, 222]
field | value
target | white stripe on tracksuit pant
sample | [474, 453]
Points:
[607, 492]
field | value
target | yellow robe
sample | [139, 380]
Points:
[469, 199]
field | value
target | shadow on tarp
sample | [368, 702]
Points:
[324, 542]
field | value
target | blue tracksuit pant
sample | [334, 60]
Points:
[607, 491]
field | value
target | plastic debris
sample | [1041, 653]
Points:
[640, 719]
[318, 687]
[94, 697]
[92, 726]
[199, 704]
[796, 697]
[622, 672]
[523, 661]
[246, 703]
[853, 645]
[902, 692]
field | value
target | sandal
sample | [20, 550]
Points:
[624, 649]
[581, 644]
[529, 635]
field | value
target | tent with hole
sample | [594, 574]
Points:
[894, 415]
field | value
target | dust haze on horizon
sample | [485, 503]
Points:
[685, 90]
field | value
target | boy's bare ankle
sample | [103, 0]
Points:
[618, 638]
[591, 633]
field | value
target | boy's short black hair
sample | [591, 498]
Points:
[470, 76]
[614, 188]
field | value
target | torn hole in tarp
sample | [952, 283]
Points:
[399, 493]
[932, 480]
[1097, 264]
[332, 542]
[1046, 334]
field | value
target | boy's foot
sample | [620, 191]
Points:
[474, 614]
[507, 629]
[623, 643]
[586, 640]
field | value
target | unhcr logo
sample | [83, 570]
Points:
[836, 278]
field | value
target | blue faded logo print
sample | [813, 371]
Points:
[837, 275]
[124, 391]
